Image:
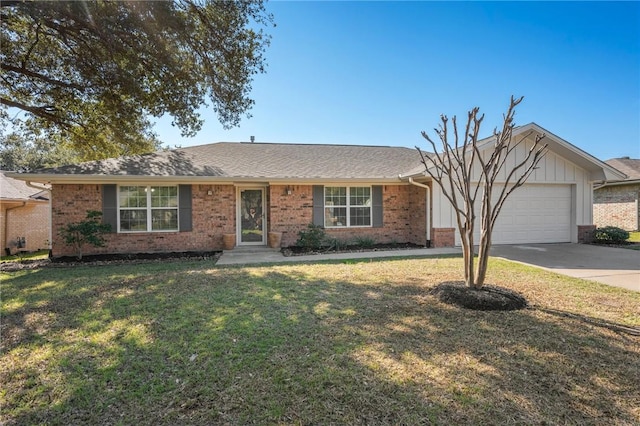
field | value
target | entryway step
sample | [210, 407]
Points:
[250, 254]
[251, 249]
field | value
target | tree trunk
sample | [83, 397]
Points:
[485, 237]
[467, 253]
[483, 257]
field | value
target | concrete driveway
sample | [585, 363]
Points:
[608, 265]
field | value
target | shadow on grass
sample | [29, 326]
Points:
[192, 345]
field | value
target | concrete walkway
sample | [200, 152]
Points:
[248, 255]
[613, 266]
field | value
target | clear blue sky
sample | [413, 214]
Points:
[378, 73]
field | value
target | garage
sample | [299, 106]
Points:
[553, 206]
[532, 214]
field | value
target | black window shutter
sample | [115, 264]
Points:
[318, 205]
[110, 206]
[184, 206]
[376, 204]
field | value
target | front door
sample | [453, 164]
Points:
[251, 217]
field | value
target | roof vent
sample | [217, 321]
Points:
[622, 158]
[253, 139]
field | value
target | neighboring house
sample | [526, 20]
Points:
[617, 202]
[24, 216]
[195, 198]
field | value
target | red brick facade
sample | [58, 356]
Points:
[404, 215]
[585, 233]
[617, 205]
[213, 215]
[289, 213]
[289, 210]
[443, 237]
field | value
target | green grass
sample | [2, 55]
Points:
[41, 254]
[328, 343]
[634, 237]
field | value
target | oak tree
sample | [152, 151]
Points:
[94, 73]
[21, 152]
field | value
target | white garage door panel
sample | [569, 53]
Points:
[533, 214]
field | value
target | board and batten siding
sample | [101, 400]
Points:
[553, 169]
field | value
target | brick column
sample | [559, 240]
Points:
[443, 237]
[585, 233]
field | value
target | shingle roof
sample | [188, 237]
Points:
[257, 160]
[628, 166]
[13, 189]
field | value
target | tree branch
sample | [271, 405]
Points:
[26, 72]
[43, 112]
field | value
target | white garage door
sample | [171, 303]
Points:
[533, 214]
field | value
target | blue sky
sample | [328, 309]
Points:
[378, 73]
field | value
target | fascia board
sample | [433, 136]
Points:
[111, 179]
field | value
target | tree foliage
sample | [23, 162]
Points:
[89, 231]
[26, 152]
[93, 72]
[467, 173]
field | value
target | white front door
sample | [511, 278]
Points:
[251, 216]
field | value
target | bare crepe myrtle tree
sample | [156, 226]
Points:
[464, 173]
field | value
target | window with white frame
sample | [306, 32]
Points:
[148, 208]
[347, 206]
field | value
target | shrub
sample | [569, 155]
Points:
[336, 244]
[88, 231]
[610, 235]
[313, 237]
[364, 242]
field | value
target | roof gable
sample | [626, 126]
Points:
[598, 170]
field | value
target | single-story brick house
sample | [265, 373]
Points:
[192, 199]
[24, 216]
[617, 202]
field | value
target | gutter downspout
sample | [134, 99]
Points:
[428, 207]
[42, 188]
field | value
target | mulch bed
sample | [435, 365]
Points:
[303, 251]
[108, 259]
[627, 245]
[487, 298]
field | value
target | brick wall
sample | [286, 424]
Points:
[585, 233]
[289, 213]
[418, 215]
[617, 206]
[30, 222]
[403, 215]
[213, 208]
[443, 237]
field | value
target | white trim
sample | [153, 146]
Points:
[195, 180]
[148, 208]
[347, 206]
[239, 189]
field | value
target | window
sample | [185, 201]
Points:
[148, 208]
[347, 206]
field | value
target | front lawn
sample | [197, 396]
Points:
[36, 255]
[634, 237]
[327, 343]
